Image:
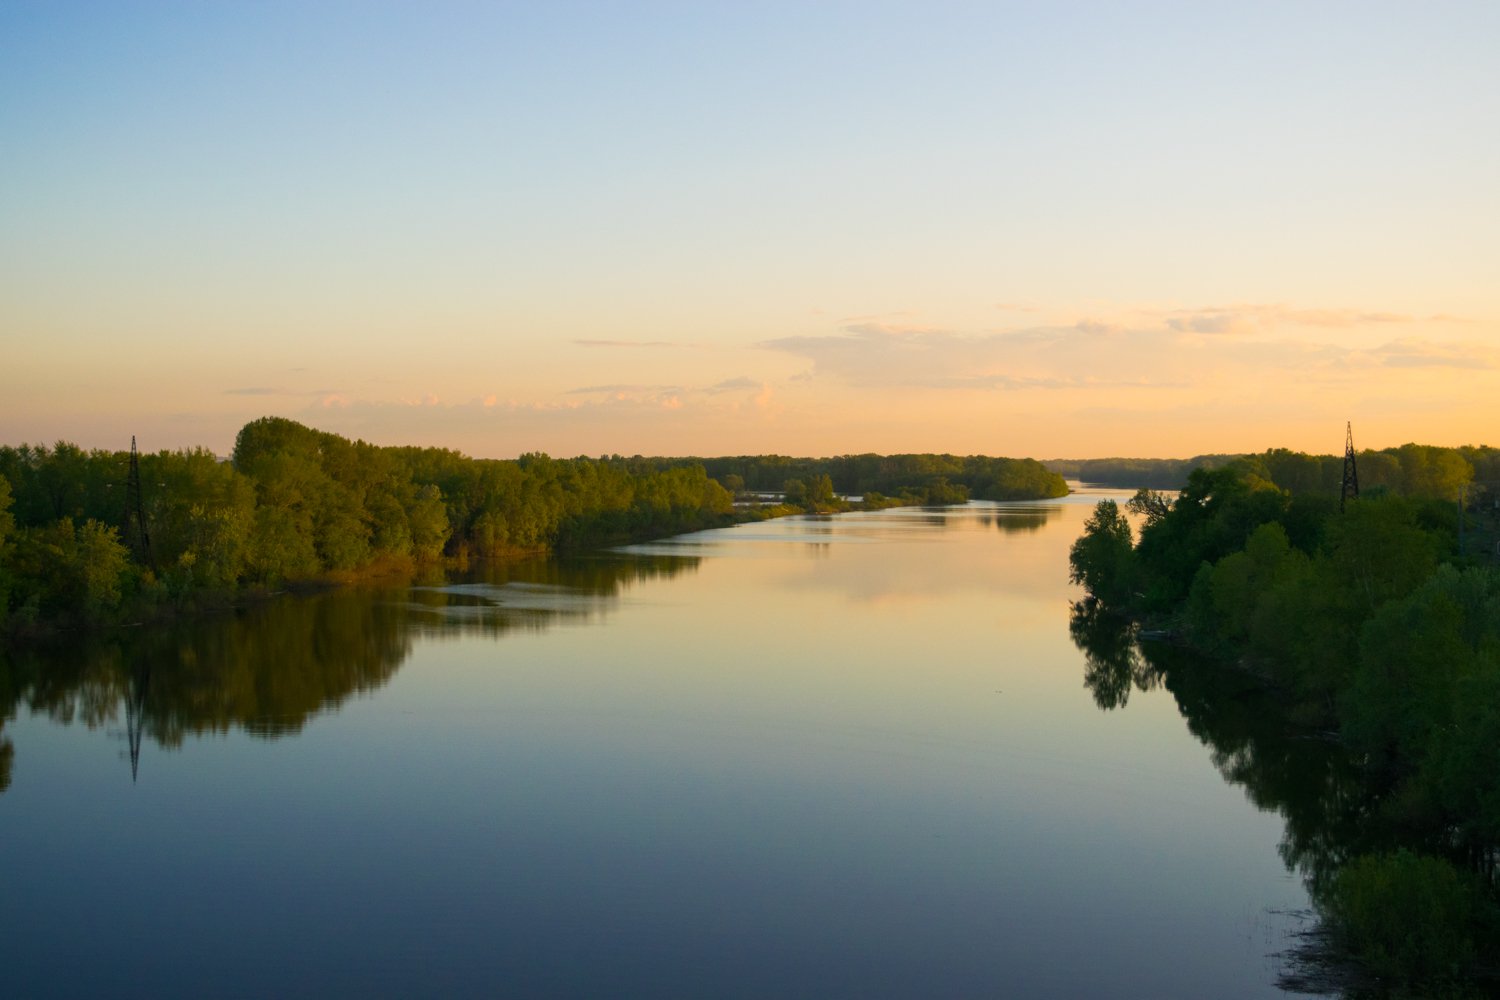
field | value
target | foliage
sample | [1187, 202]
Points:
[935, 479]
[1411, 470]
[74, 573]
[1101, 558]
[1114, 665]
[1371, 623]
[1409, 917]
[297, 504]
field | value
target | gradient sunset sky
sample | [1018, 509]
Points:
[1044, 229]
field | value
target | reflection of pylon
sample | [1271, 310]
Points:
[134, 521]
[1350, 490]
[135, 711]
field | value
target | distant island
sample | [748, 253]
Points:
[99, 537]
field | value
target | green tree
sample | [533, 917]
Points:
[71, 572]
[200, 513]
[7, 529]
[1102, 558]
[1410, 918]
[428, 518]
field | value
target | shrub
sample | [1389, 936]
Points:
[1406, 916]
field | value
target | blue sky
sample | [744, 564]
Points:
[1045, 229]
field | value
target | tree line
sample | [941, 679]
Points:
[1420, 470]
[297, 504]
[1373, 623]
[913, 479]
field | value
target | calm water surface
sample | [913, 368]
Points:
[821, 757]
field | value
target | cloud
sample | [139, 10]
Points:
[874, 328]
[622, 389]
[625, 343]
[266, 390]
[1257, 318]
[658, 392]
[1160, 349]
[733, 384]
[1412, 353]
[878, 355]
[684, 422]
[1221, 322]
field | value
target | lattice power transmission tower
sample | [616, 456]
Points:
[136, 535]
[1350, 489]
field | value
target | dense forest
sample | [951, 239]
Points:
[1377, 623]
[1411, 469]
[294, 504]
[935, 479]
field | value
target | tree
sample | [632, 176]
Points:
[71, 572]
[1101, 559]
[820, 490]
[1149, 505]
[7, 528]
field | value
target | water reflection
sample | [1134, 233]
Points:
[816, 764]
[1113, 663]
[531, 595]
[1330, 811]
[1301, 774]
[271, 668]
[1021, 520]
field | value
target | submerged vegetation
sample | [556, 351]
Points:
[1378, 624]
[296, 505]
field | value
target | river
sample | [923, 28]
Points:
[849, 756]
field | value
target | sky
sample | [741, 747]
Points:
[1051, 229]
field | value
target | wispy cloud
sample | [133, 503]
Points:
[870, 355]
[674, 422]
[581, 342]
[1158, 349]
[1411, 353]
[659, 392]
[269, 390]
[621, 389]
[734, 385]
[1261, 318]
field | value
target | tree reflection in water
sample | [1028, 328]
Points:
[1017, 520]
[269, 669]
[1113, 663]
[1331, 812]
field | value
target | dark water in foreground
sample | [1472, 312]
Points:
[848, 756]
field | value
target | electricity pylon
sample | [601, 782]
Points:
[1350, 489]
[134, 521]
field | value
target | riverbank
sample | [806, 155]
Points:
[1371, 625]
